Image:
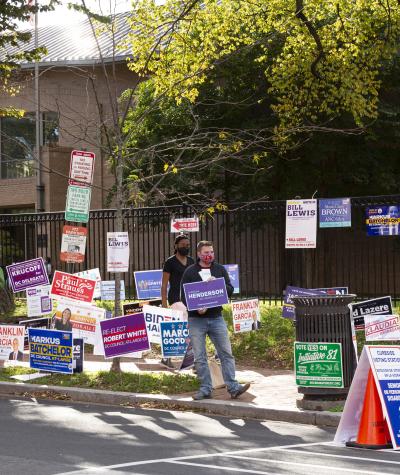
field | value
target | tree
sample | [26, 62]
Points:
[321, 59]
[306, 68]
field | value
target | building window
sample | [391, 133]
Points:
[17, 143]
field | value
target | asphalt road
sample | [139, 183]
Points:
[46, 438]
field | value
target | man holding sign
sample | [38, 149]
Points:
[205, 287]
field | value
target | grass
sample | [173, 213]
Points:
[151, 383]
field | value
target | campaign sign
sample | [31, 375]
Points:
[51, 350]
[383, 220]
[206, 294]
[118, 252]
[382, 327]
[188, 359]
[334, 213]
[43, 322]
[174, 338]
[72, 287]
[73, 244]
[148, 284]
[78, 353]
[107, 290]
[24, 275]
[301, 224]
[78, 204]
[38, 301]
[318, 365]
[288, 310]
[334, 290]
[12, 342]
[80, 318]
[93, 274]
[122, 335]
[81, 168]
[154, 316]
[246, 315]
[378, 306]
[233, 272]
[131, 308]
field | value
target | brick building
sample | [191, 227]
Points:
[75, 83]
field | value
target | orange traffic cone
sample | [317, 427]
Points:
[373, 431]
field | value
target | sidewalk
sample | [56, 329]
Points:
[272, 394]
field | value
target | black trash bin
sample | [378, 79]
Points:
[326, 319]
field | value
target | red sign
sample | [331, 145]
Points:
[73, 287]
[185, 224]
[73, 244]
[81, 168]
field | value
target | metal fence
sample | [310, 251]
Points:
[252, 236]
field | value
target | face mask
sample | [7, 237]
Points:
[207, 258]
[183, 251]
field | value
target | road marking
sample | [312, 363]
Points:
[284, 462]
[188, 457]
[336, 455]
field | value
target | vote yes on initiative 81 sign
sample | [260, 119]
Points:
[318, 365]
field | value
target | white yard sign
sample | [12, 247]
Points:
[117, 252]
[301, 224]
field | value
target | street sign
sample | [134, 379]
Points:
[81, 168]
[190, 225]
[78, 204]
[318, 365]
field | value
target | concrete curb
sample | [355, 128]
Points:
[212, 406]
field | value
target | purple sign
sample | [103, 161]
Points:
[206, 294]
[24, 275]
[122, 335]
[288, 310]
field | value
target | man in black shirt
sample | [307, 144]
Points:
[209, 321]
[173, 270]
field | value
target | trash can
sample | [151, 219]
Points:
[326, 319]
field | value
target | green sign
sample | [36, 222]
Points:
[318, 365]
[78, 204]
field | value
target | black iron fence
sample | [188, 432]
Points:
[251, 236]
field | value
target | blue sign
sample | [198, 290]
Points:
[335, 213]
[233, 272]
[386, 363]
[174, 338]
[51, 350]
[208, 294]
[383, 220]
[148, 284]
[288, 310]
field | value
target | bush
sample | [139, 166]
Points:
[270, 346]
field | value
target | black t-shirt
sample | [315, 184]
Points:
[175, 269]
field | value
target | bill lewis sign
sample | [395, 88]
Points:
[24, 275]
[73, 287]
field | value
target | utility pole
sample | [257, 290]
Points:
[39, 183]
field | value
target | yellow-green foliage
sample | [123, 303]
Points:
[179, 42]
